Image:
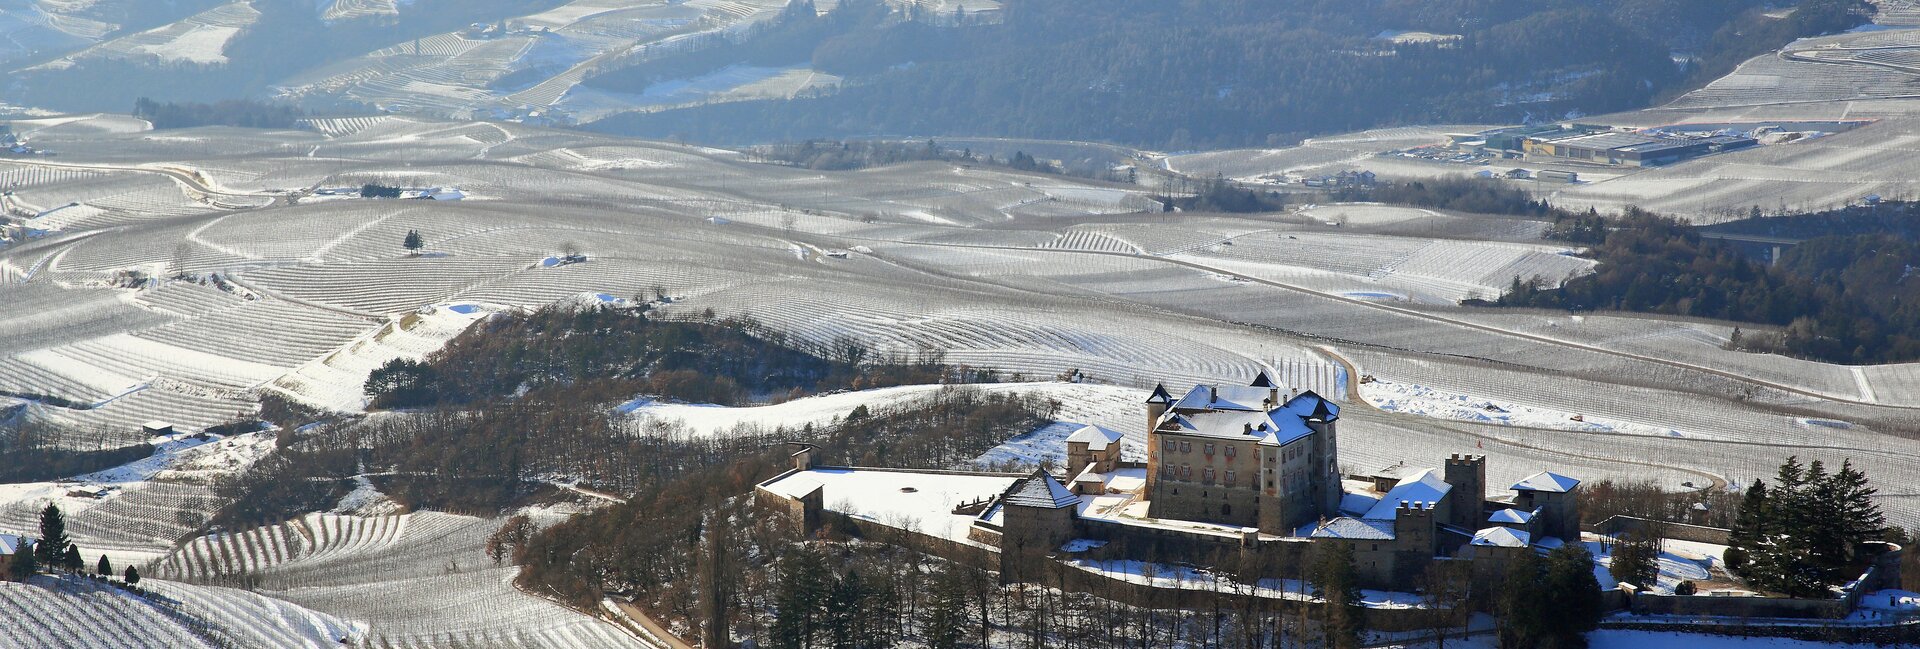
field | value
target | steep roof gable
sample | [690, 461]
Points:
[1546, 482]
[1502, 537]
[1097, 438]
[1040, 490]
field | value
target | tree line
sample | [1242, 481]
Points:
[244, 113]
[1157, 75]
[53, 551]
[1844, 299]
[704, 360]
[38, 451]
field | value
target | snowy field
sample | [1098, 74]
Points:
[1032, 276]
[76, 612]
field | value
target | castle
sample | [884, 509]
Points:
[1249, 469]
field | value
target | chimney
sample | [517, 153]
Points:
[1213, 394]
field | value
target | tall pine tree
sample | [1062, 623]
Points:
[22, 564]
[52, 548]
[804, 584]
[946, 615]
[1337, 581]
[1749, 526]
[105, 569]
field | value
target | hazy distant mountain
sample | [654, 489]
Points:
[1148, 73]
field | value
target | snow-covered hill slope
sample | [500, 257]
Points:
[76, 613]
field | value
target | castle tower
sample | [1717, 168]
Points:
[1324, 420]
[1157, 404]
[1554, 500]
[1413, 528]
[1467, 474]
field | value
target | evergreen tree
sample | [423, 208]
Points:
[105, 569]
[413, 241]
[71, 560]
[23, 564]
[803, 589]
[1798, 538]
[1337, 581]
[1636, 560]
[1749, 526]
[1573, 606]
[947, 612]
[52, 548]
[1857, 517]
[1522, 596]
[133, 576]
[846, 607]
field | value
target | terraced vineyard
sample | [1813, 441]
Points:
[192, 311]
[417, 580]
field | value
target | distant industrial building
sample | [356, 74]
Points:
[1600, 145]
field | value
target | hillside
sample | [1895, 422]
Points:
[1242, 73]
[76, 612]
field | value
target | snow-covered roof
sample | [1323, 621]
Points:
[1346, 527]
[1511, 515]
[1501, 537]
[1547, 482]
[8, 543]
[1398, 471]
[1308, 405]
[1258, 427]
[1225, 397]
[1423, 487]
[1264, 381]
[1097, 438]
[1090, 476]
[1040, 490]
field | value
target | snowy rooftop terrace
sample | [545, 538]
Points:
[920, 501]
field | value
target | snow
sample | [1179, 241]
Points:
[908, 500]
[1420, 400]
[1546, 482]
[1075, 545]
[366, 500]
[820, 410]
[1423, 487]
[1045, 445]
[1502, 537]
[1622, 639]
[1163, 575]
[1678, 561]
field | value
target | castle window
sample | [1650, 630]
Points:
[1209, 449]
[1166, 471]
[1207, 476]
[1230, 451]
[1167, 444]
[1229, 478]
[1186, 472]
[1186, 446]
[1226, 510]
